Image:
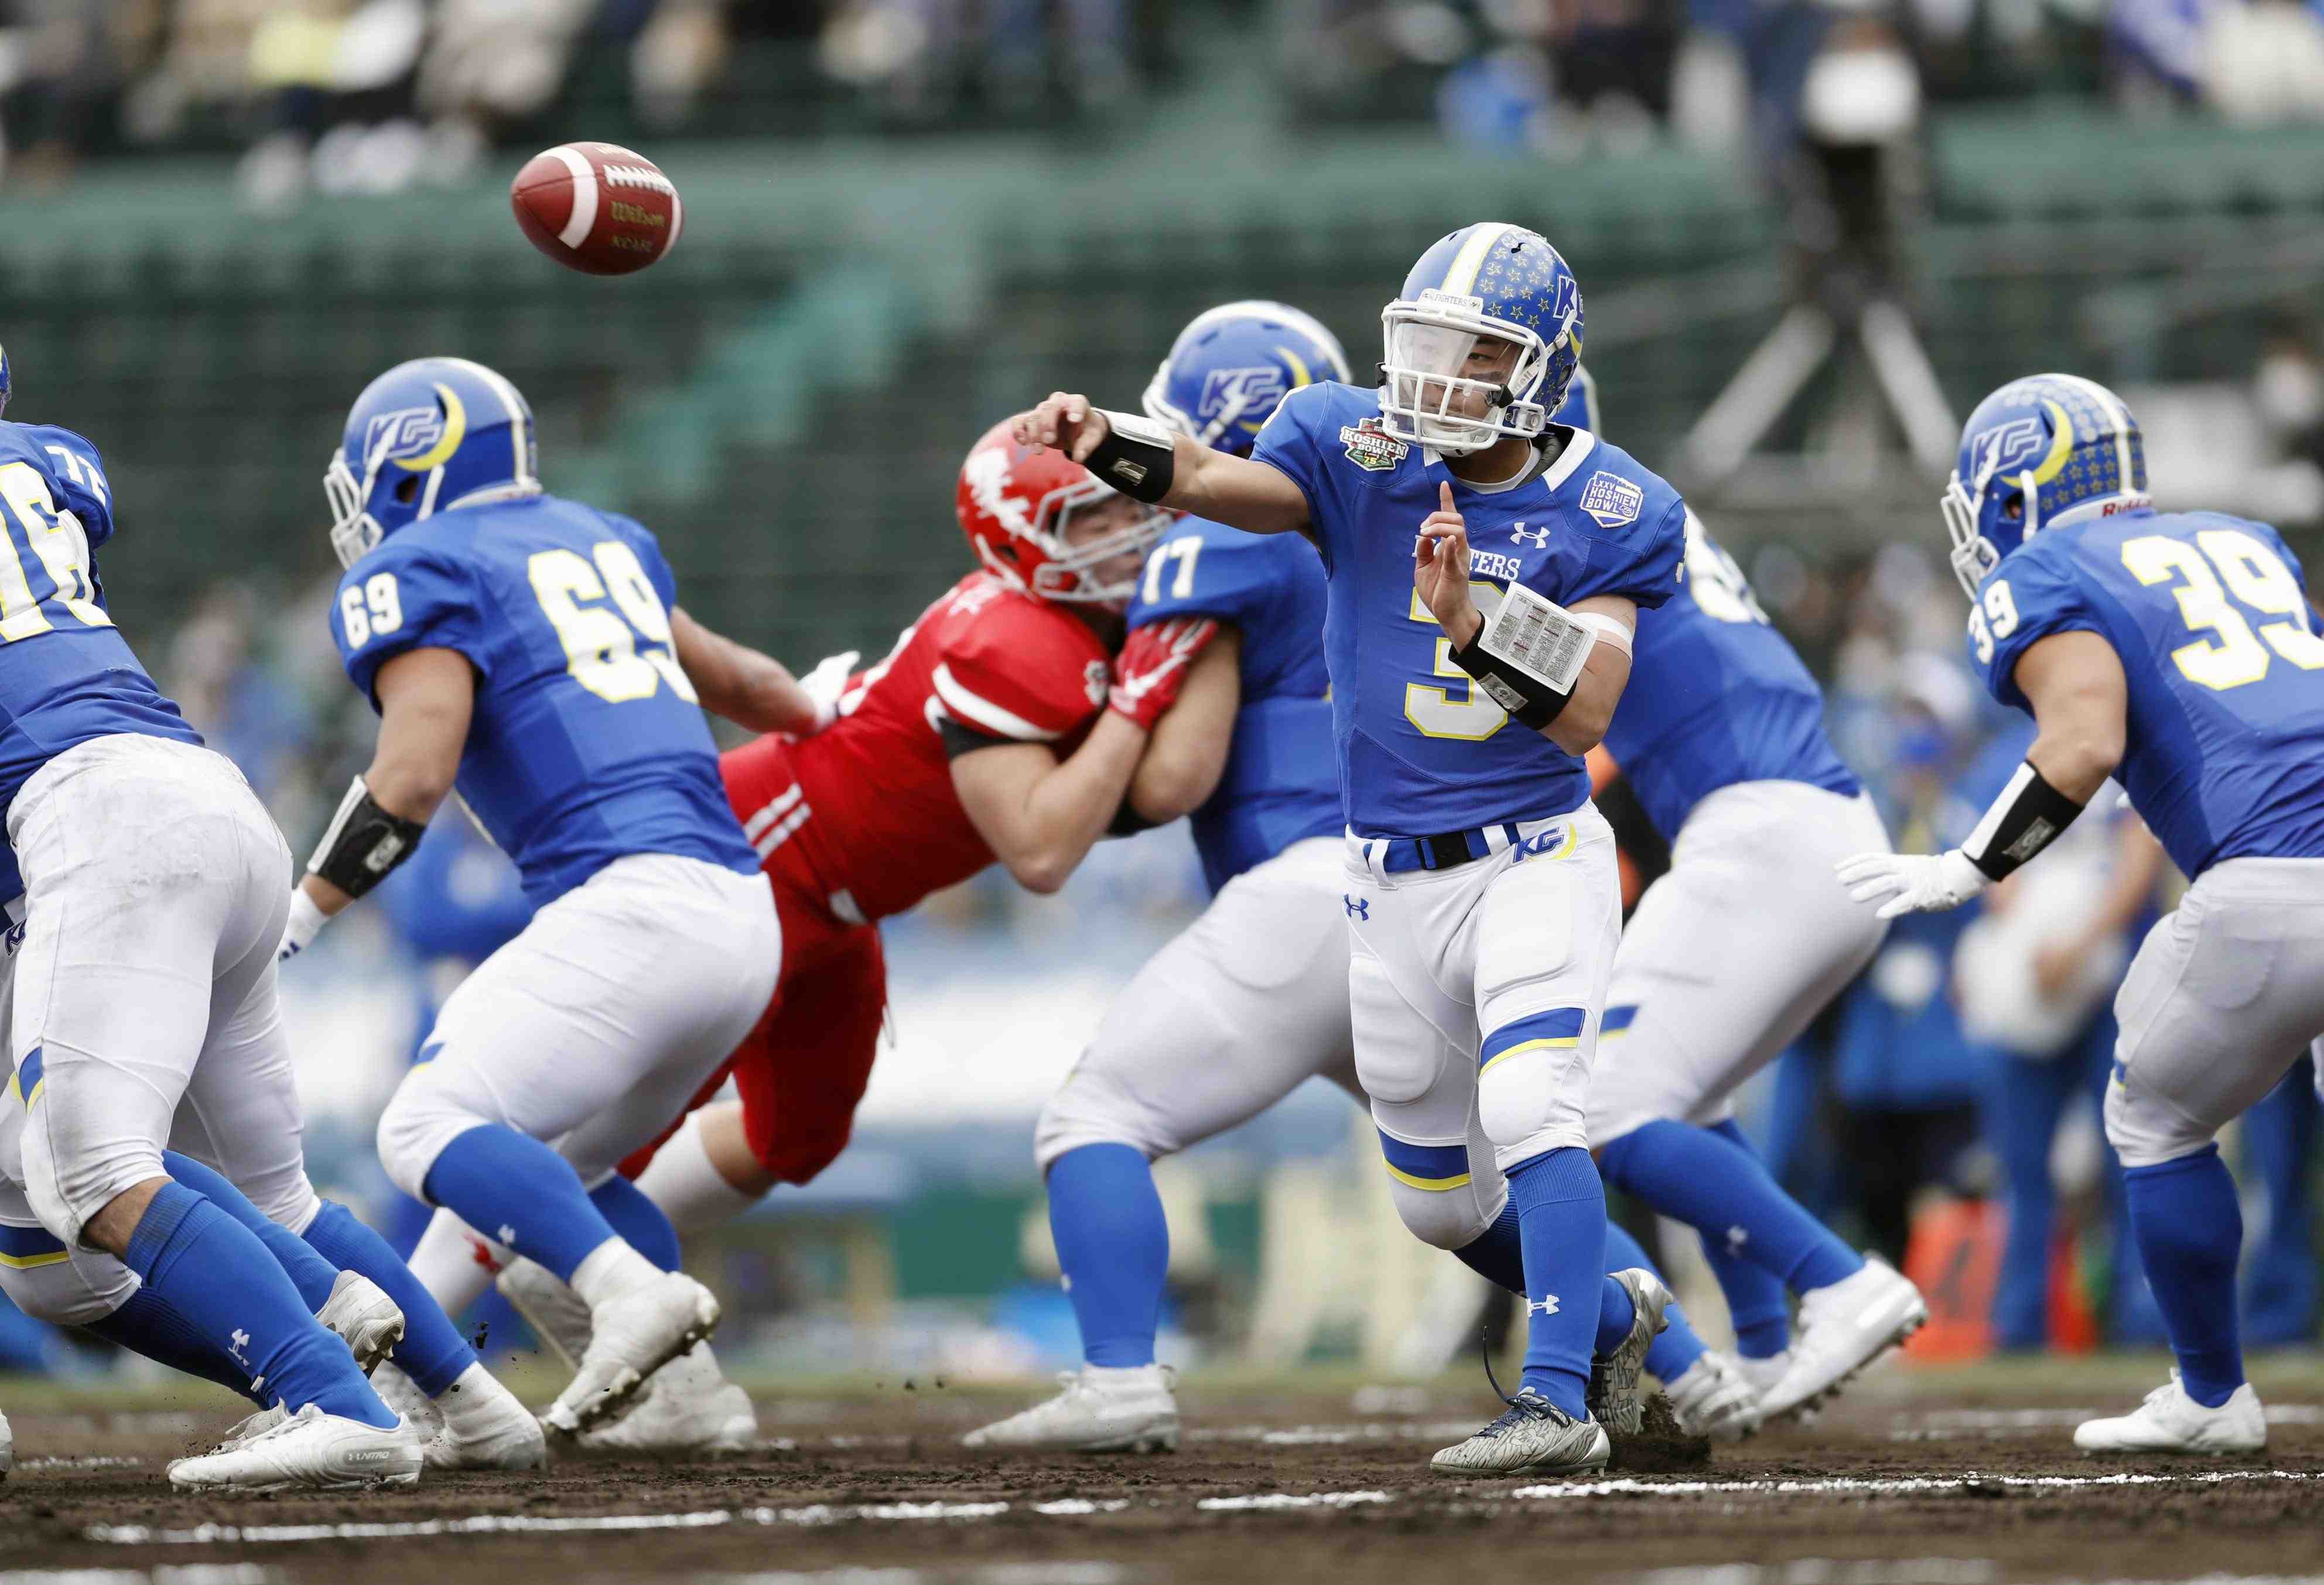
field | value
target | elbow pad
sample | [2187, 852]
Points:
[1138, 457]
[2024, 819]
[364, 844]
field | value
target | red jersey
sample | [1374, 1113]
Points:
[877, 821]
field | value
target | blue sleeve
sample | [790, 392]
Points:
[1640, 563]
[406, 596]
[1235, 578]
[1290, 442]
[81, 487]
[2029, 596]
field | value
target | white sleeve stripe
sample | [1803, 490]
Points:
[973, 710]
[1980, 841]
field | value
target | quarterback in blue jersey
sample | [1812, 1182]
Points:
[2177, 653]
[528, 651]
[1480, 886]
[152, 900]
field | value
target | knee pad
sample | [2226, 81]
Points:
[1533, 1087]
[1436, 1194]
[64, 1287]
[2146, 1130]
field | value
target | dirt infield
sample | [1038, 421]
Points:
[1956, 1478]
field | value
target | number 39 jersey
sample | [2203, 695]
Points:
[66, 673]
[1422, 749]
[586, 744]
[2225, 753]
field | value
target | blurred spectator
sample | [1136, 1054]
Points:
[234, 700]
[63, 64]
[1018, 54]
[2250, 60]
[2035, 977]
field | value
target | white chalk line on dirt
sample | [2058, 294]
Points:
[816, 1514]
[1997, 1424]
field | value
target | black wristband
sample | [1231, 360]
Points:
[1138, 457]
[2024, 819]
[364, 844]
[1529, 701]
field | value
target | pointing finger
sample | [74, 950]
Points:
[1445, 497]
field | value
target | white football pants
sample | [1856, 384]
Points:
[1733, 952]
[156, 887]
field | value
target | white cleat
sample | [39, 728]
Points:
[360, 1312]
[2170, 1422]
[1712, 1398]
[8, 1448]
[1843, 1328]
[1127, 1410]
[630, 1337]
[557, 1315]
[476, 1424]
[687, 1410]
[1761, 1374]
[1533, 1436]
[1613, 1393]
[309, 1451]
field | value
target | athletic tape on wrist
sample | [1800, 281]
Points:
[2024, 819]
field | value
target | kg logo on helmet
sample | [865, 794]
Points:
[418, 438]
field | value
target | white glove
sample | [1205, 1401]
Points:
[306, 920]
[1914, 883]
[827, 682]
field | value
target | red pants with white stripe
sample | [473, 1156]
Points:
[802, 1070]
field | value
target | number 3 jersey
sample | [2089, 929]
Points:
[2225, 753]
[1422, 749]
[66, 674]
[586, 744]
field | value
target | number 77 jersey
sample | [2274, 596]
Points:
[2209, 615]
[586, 744]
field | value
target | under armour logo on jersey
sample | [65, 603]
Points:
[1736, 1237]
[234, 1344]
[1359, 908]
[507, 1234]
[1537, 537]
[1548, 1305]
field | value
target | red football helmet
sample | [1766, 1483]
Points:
[1014, 504]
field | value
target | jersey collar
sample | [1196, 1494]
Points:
[1578, 444]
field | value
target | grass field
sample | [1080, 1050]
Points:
[1957, 1476]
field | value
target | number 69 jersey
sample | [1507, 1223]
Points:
[586, 744]
[66, 674]
[2225, 753]
[1421, 748]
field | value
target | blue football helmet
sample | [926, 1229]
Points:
[424, 438]
[1231, 367]
[2039, 453]
[1496, 281]
[1580, 408]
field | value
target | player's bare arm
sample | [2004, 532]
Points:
[1236, 491]
[426, 697]
[1039, 814]
[2075, 683]
[748, 688]
[1439, 572]
[1188, 751]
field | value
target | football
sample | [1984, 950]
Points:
[598, 207]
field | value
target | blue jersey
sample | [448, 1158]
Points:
[2224, 758]
[586, 745]
[66, 673]
[1281, 783]
[1716, 696]
[1421, 749]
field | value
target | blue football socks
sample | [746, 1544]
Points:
[308, 1271]
[1673, 1353]
[1497, 1254]
[216, 1274]
[432, 1353]
[1720, 1189]
[145, 1324]
[1113, 1245]
[519, 1190]
[2190, 1229]
[1757, 1307]
[639, 1220]
[1561, 1223]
